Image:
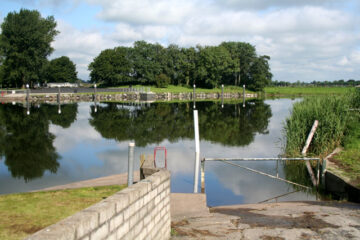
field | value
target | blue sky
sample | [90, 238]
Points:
[307, 40]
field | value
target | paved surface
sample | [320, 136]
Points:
[103, 181]
[291, 220]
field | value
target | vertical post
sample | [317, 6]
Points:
[222, 95]
[131, 163]
[277, 168]
[59, 108]
[27, 92]
[243, 95]
[194, 96]
[58, 96]
[203, 176]
[27, 99]
[303, 152]
[197, 151]
[95, 92]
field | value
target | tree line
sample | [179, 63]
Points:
[25, 44]
[230, 63]
[341, 82]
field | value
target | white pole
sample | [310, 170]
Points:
[131, 163]
[197, 151]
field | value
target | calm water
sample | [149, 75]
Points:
[45, 148]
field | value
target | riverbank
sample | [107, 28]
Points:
[113, 96]
[306, 91]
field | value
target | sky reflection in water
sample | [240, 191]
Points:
[92, 144]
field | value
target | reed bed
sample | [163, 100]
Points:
[333, 115]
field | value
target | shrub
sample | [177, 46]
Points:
[162, 81]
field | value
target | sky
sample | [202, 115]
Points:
[307, 40]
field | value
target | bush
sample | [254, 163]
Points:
[162, 81]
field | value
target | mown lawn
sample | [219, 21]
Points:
[306, 90]
[25, 213]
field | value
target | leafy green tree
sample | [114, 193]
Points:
[25, 42]
[147, 59]
[213, 64]
[112, 67]
[260, 75]
[60, 69]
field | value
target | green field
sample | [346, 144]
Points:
[306, 90]
[25, 213]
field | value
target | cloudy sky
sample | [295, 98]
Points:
[307, 40]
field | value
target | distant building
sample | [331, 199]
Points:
[65, 84]
[358, 86]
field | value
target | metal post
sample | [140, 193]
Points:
[243, 95]
[59, 108]
[222, 95]
[197, 151]
[203, 176]
[131, 163]
[194, 96]
[58, 96]
[277, 168]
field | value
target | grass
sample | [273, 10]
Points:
[332, 114]
[182, 89]
[306, 90]
[349, 159]
[339, 125]
[25, 213]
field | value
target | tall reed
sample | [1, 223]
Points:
[332, 114]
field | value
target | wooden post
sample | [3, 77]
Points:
[307, 144]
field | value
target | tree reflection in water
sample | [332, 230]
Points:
[231, 125]
[25, 140]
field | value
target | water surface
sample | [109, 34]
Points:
[85, 141]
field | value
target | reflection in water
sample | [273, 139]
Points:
[230, 126]
[80, 144]
[26, 142]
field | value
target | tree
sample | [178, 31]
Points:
[112, 67]
[260, 75]
[214, 63]
[25, 43]
[60, 69]
[147, 59]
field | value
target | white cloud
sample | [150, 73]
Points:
[80, 46]
[146, 11]
[306, 40]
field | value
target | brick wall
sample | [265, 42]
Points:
[141, 211]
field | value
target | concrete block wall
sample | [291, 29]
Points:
[141, 211]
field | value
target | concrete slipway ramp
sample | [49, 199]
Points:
[288, 220]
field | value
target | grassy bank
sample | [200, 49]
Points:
[349, 159]
[288, 91]
[339, 125]
[25, 213]
[182, 89]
